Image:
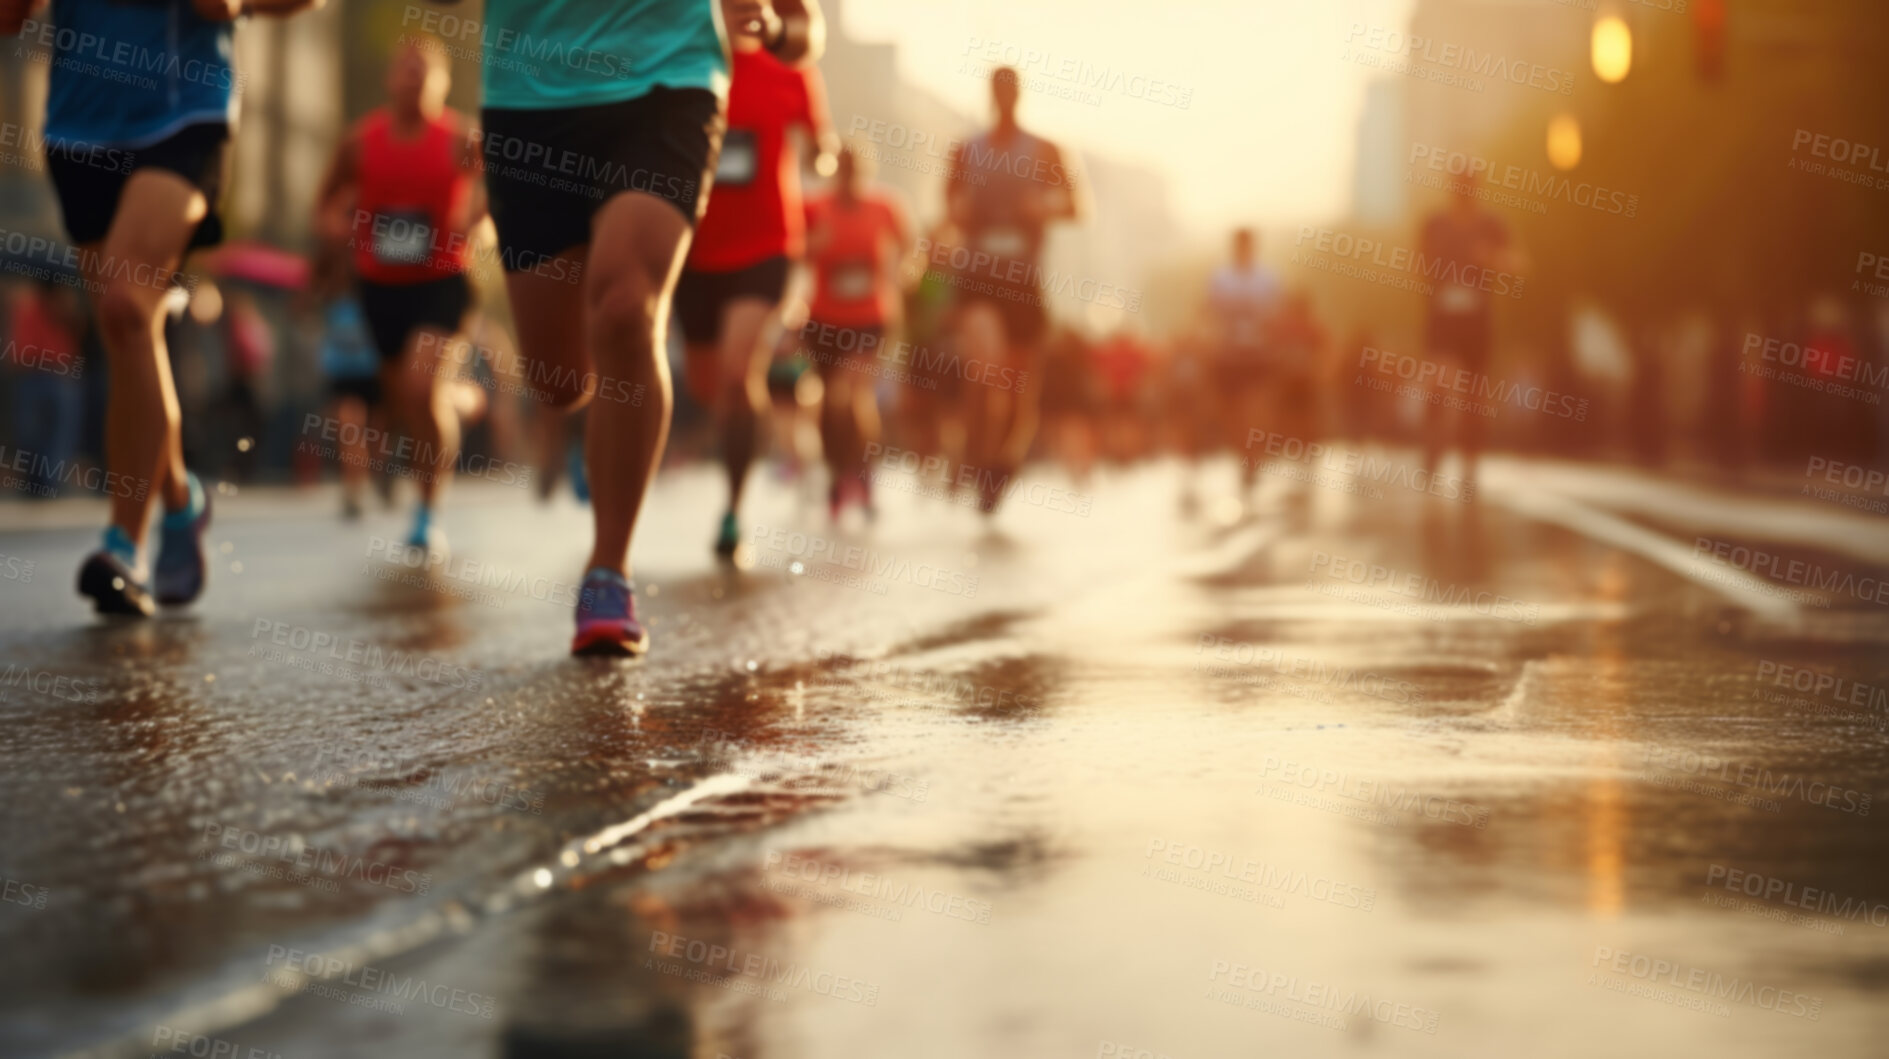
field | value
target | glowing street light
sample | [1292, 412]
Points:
[1564, 141]
[1613, 49]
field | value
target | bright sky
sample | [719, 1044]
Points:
[1268, 135]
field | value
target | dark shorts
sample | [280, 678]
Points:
[364, 387]
[1019, 307]
[1463, 338]
[701, 296]
[548, 172]
[89, 188]
[395, 310]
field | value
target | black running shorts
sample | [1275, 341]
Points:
[548, 172]
[395, 310]
[701, 296]
[89, 181]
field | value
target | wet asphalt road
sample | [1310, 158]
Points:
[1351, 770]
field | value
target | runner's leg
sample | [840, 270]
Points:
[143, 424]
[636, 256]
[741, 382]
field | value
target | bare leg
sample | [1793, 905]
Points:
[143, 439]
[638, 243]
[421, 383]
[351, 413]
[741, 378]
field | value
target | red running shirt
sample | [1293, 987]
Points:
[854, 264]
[407, 193]
[754, 210]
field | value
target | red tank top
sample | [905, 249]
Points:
[754, 211]
[407, 193]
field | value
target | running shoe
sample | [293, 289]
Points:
[606, 618]
[109, 576]
[580, 483]
[728, 538]
[182, 566]
[426, 537]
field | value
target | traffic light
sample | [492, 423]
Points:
[1708, 32]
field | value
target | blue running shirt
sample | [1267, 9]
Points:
[132, 74]
[551, 54]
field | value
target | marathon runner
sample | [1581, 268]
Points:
[1468, 247]
[401, 192]
[137, 171]
[352, 368]
[1243, 300]
[856, 236]
[591, 269]
[728, 301]
[1002, 189]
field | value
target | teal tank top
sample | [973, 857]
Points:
[552, 54]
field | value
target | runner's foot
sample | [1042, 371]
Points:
[109, 576]
[606, 618]
[426, 536]
[728, 538]
[182, 566]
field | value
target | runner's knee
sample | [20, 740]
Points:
[126, 311]
[623, 319]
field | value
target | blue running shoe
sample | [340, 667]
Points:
[606, 618]
[182, 567]
[427, 537]
[109, 576]
[574, 462]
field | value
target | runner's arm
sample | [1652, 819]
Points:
[825, 140]
[477, 203]
[14, 13]
[1065, 199]
[794, 30]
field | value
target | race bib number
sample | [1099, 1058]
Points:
[851, 280]
[1004, 241]
[1457, 298]
[403, 237]
[739, 159]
